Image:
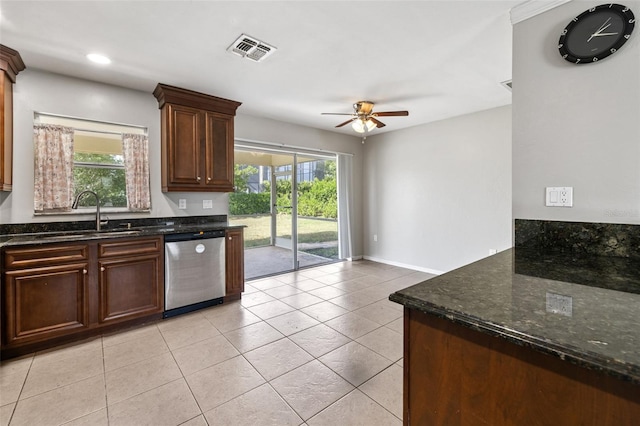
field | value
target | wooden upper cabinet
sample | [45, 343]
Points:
[10, 65]
[197, 140]
[219, 156]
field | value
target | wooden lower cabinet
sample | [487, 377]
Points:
[454, 375]
[43, 303]
[57, 292]
[234, 249]
[130, 280]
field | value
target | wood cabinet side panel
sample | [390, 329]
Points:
[459, 376]
[234, 273]
[6, 137]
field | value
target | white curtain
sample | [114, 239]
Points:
[135, 149]
[345, 203]
[53, 185]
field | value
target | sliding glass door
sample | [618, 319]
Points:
[288, 203]
[317, 210]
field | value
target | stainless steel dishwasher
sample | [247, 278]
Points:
[194, 265]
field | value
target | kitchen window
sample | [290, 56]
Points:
[73, 155]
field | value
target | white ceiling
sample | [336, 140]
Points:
[436, 59]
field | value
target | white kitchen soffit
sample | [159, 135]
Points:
[531, 8]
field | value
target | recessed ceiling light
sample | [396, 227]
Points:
[98, 58]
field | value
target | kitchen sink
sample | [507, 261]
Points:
[114, 233]
[89, 234]
[62, 237]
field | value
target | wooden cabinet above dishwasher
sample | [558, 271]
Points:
[197, 140]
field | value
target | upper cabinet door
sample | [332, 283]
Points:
[184, 146]
[197, 140]
[219, 149]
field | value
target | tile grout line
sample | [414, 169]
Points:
[104, 375]
[24, 382]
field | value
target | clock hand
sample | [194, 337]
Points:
[603, 27]
[603, 34]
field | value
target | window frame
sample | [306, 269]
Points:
[97, 127]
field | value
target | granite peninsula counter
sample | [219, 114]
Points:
[525, 337]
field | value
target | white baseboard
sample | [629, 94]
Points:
[404, 265]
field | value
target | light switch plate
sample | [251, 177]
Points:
[207, 204]
[559, 196]
[182, 203]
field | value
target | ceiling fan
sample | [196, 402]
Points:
[363, 119]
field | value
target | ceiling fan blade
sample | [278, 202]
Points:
[378, 122]
[391, 113]
[335, 113]
[345, 123]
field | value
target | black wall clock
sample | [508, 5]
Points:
[596, 33]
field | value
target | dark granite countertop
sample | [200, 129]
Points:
[582, 309]
[36, 238]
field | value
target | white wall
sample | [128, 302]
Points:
[438, 196]
[45, 92]
[575, 125]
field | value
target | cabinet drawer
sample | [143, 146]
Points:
[114, 248]
[45, 255]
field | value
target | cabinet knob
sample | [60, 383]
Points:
[102, 268]
[230, 238]
[208, 179]
[84, 271]
[198, 178]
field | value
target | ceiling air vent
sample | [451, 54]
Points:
[251, 48]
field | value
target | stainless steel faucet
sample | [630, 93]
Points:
[75, 206]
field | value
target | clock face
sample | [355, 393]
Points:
[596, 33]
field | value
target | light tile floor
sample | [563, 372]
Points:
[320, 346]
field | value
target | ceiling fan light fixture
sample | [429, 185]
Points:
[370, 125]
[358, 125]
[361, 126]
